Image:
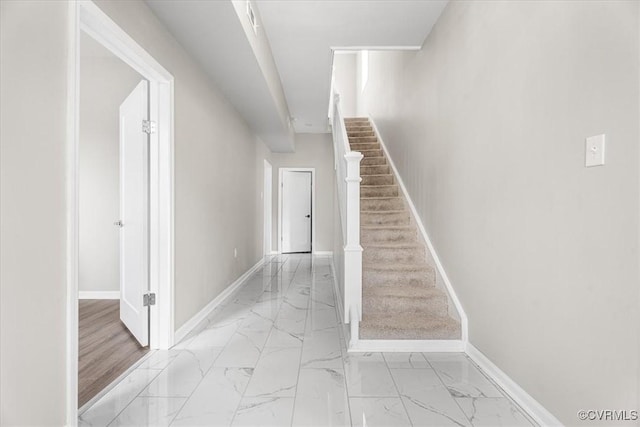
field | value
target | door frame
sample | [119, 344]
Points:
[267, 215]
[85, 16]
[313, 204]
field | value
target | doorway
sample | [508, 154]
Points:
[153, 276]
[113, 218]
[296, 210]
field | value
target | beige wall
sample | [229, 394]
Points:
[33, 82]
[105, 82]
[486, 124]
[215, 175]
[262, 153]
[345, 67]
[312, 151]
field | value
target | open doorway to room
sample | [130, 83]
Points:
[296, 210]
[113, 218]
[120, 207]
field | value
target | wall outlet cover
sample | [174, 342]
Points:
[594, 150]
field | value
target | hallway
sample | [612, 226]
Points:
[275, 355]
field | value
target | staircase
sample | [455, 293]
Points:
[399, 297]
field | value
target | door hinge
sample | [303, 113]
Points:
[148, 299]
[148, 126]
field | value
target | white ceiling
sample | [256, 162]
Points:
[301, 34]
[211, 32]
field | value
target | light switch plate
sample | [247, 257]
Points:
[594, 151]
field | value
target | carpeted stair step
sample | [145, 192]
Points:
[363, 140]
[379, 190]
[400, 217]
[370, 161]
[360, 133]
[359, 127]
[359, 146]
[392, 253]
[377, 180]
[415, 326]
[420, 274]
[371, 153]
[398, 289]
[381, 203]
[427, 300]
[388, 234]
[375, 170]
[356, 119]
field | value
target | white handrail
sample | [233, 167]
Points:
[347, 165]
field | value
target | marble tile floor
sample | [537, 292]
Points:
[274, 355]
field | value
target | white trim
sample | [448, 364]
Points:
[464, 323]
[274, 253]
[99, 295]
[414, 346]
[72, 190]
[533, 408]
[105, 31]
[85, 16]
[188, 326]
[323, 253]
[313, 204]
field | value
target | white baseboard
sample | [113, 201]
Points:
[99, 295]
[184, 330]
[423, 231]
[323, 253]
[413, 346]
[533, 408]
[274, 253]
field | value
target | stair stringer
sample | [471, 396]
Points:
[442, 280]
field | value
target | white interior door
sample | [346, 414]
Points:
[296, 211]
[134, 205]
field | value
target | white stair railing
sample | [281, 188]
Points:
[348, 182]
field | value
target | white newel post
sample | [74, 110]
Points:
[352, 249]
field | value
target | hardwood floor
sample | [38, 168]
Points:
[106, 347]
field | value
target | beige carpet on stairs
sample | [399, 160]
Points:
[400, 299]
